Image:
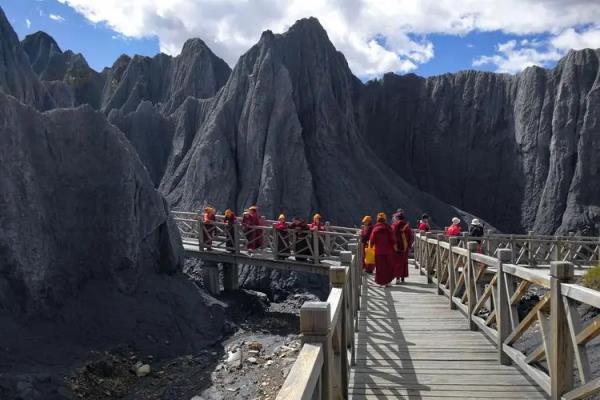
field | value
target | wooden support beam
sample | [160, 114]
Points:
[503, 320]
[314, 327]
[470, 284]
[230, 277]
[561, 356]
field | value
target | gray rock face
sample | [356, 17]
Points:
[515, 150]
[16, 76]
[163, 79]
[283, 133]
[77, 206]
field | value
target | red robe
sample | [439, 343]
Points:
[254, 236]
[453, 230]
[365, 235]
[230, 230]
[403, 237]
[424, 226]
[209, 232]
[318, 227]
[383, 240]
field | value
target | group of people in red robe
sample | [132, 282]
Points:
[392, 244]
[252, 225]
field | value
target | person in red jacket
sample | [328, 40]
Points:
[424, 224]
[282, 238]
[383, 240]
[365, 234]
[251, 223]
[454, 229]
[403, 237]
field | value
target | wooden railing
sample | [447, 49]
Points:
[306, 246]
[323, 366]
[487, 289]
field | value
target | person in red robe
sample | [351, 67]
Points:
[454, 229]
[300, 239]
[403, 237]
[365, 234]
[282, 238]
[424, 224]
[208, 219]
[382, 238]
[317, 226]
[254, 235]
[230, 221]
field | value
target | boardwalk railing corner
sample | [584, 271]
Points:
[488, 288]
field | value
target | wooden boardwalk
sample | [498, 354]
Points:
[410, 345]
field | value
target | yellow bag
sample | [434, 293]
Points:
[370, 255]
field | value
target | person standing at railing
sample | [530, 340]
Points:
[476, 231]
[230, 222]
[403, 237]
[254, 235]
[382, 238]
[209, 219]
[424, 224]
[454, 229]
[365, 234]
[315, 227]
[282, 240]
[301, 244]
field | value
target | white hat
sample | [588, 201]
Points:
[455, 221]
[475, 222]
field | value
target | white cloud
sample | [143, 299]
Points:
[56, 17]
[514, 56]
[230, 27]
[28, 23]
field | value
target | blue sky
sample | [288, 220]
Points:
[427, 39]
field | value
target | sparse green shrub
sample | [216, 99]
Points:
[591, 278]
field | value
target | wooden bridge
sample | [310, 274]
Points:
[452, 330]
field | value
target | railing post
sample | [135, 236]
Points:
[314, 327]
[275, 243]
[425, 263]
[470, 284]
[200, 234]
[315, 247]
[236, 238]
[529, 248]
[503, 324]
[337, 279]
[561, 356]
[439, 267]
[431, 260]
[453, 241]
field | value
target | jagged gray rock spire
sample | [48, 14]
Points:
[283, 133]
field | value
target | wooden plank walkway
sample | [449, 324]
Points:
[410, 345]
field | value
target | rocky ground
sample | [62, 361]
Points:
[251, 364]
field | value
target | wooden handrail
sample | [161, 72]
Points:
[487, 288]
[330, 326]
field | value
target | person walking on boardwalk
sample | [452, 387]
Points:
[282, 238]
[365, 234]
[230, 222]
[300, 244]
[208, 219]
[382, 238]
[315, 227]
[424, 224]
[454, 229]
[403, 237]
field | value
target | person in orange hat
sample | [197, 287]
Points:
[383, 240]
[209, 226]
[365, 233]
[318, 226]
[230, 221]
[282, 242]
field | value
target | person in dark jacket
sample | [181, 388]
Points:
[424, 224]
[299, 231]
[476, 231]
[230, 222]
